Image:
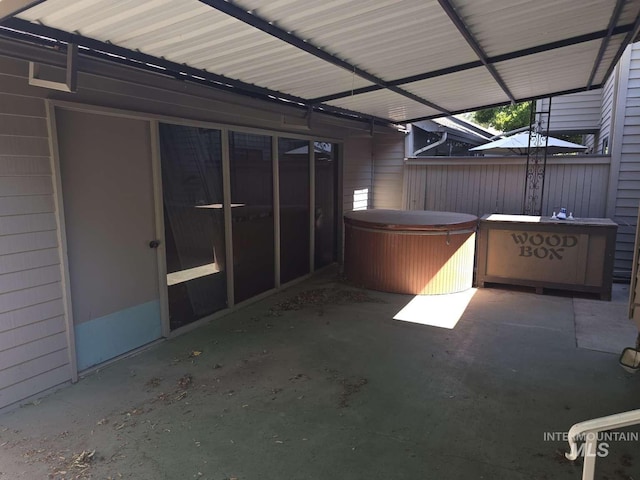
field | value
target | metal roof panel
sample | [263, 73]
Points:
[452, 91]
[341, 46]
[385, 104]
[607, 58]
[501, 27]
[388, 38]
[531, 76]
[201, 37]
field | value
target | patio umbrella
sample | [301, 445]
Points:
[517, 144]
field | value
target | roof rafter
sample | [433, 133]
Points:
[42, 35]
[615, 16]
[475, 46]
[630, 37]
[567, 42]
[267, 27]
[9, 8]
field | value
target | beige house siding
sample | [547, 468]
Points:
[388, 170]
[357, 169]
[33, 343]
[608, 97]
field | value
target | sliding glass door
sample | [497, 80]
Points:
[293, 169]
[191, 160]
[251, 167]
[326, 212]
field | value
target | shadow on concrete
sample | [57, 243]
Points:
[320, 382]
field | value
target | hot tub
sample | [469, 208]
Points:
[414, 252]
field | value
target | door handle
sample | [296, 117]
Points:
[154, 243]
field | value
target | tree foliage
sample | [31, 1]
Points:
[504, 118]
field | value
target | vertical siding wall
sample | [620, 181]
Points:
[33, 343]
[626, 145]
[606, 111]
[388, 170]
[496, 185]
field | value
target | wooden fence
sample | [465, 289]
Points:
[480, 185]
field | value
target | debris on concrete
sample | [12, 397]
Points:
[321, 296]
[350, 388]
[181, 395]
[364, 398]
[299, 377]
[561, 458]
[185, 381]
[77, 468]
[83, 459]
[153, 382]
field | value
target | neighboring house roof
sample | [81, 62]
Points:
[456, 128]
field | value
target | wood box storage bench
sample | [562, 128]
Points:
[543, 253]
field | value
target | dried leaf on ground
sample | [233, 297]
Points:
[185, 381]
[83, 459]
[181, 396]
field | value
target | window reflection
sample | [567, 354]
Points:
[293, 168]
[193, 218]
[325, 209]
[252, 187]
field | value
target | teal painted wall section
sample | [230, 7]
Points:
[104, 338]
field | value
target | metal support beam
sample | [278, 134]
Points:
[632, 34]
[475, 46]
[141, 60]
[615, 16]
[10, 8]
[72, 67]
[546, 47]
[24, 31]
[15, 28]
[267, 27]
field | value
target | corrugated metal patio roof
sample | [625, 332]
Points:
[396, 60]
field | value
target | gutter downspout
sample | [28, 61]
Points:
[432, 145]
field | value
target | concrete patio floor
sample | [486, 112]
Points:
[336, 391]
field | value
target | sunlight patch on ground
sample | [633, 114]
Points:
[442, 311]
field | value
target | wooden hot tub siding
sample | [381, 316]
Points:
[418, 259]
